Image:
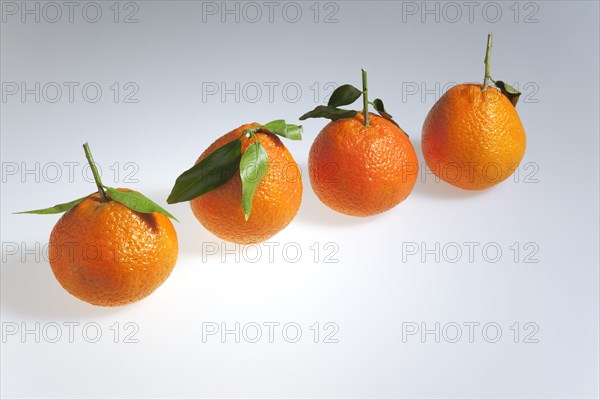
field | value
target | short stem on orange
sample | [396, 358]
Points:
[365, 98]
[251, 132]
[486, 61]
[88, 155]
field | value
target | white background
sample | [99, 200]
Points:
[377, 289]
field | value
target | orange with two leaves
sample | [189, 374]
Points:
[113, 247]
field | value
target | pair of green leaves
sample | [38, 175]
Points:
[130, 199]
[220, 165]
[342, 96]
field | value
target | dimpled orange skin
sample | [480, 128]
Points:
[473, 139]
[275, 202]
[108, 255]
[362, 171]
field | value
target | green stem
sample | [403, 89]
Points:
[88, 155]
[486, 61]
[365, 98]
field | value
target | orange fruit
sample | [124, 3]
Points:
[108, 255]
[360, 170]
[473, 138]
[275, 202]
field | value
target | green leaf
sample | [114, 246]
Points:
[253, 168]
[293, 132]
[136, 201]
[331, 113]
[378, 104]
[279, 127]
[344, 95]
[208, 174]
[57, 209]
[509, 91]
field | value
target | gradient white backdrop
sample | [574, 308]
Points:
[167, 60]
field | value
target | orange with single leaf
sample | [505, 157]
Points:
[473, 137]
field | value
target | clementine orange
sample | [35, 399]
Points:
[275, 202]
[473, 138]
[362, 170]
[106, 254]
